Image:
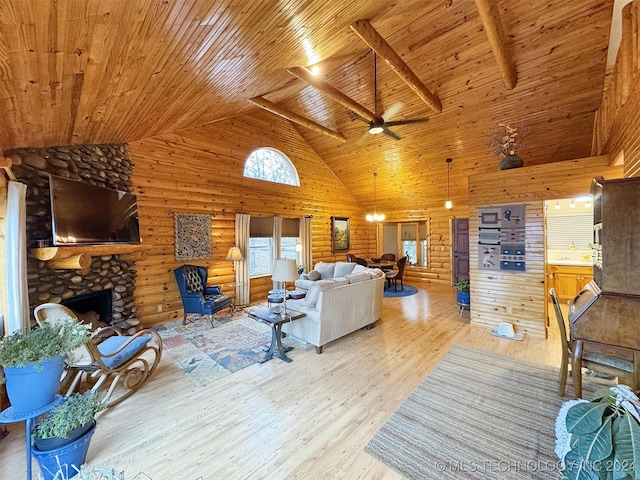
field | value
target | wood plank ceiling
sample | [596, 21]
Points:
[96, 71]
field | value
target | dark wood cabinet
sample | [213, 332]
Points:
[616, 230]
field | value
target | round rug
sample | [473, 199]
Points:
[407, 292]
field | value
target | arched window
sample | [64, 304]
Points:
[271, 165]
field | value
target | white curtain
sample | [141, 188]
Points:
[277, 235]
[306, 254]
[16, 254]
[243, 225]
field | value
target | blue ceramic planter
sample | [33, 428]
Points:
[464, 298]
[30, 388]
[63, 459]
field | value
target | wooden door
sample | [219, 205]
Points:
[460, 248]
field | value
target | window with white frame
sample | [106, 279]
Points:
[272, 165]
[261, 246]
[261, 243]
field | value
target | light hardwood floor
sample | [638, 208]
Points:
[309, 419]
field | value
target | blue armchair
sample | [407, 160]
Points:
[196, 296]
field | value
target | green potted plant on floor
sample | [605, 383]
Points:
[464, 291]
[600, 439]
[61, 437]
[33, 361]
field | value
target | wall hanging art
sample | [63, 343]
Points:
[501, 238]
[192, 236]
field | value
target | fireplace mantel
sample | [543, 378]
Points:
[79, 257]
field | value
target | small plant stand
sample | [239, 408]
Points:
[8, 416]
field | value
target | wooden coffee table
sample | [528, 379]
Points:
[272, 317]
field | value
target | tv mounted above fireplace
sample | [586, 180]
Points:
[85, 214]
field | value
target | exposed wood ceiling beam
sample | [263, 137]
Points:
[332, 92]
[371, 37]
[294, 117]
[498, 40]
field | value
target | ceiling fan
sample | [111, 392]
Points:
[381, 123]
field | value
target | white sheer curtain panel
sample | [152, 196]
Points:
[16, 254]
[277, 236]
[243, 223]
[305, 240]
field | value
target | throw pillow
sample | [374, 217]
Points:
[358, 277]
[325, 269]
[343, 269]
[314, 275]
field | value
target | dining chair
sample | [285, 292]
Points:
[360, 261]
[597, 362]
[390, 257]
[396, 276]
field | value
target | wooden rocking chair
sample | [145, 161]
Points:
[109, 358]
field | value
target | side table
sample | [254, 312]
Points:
[9, 416]
[272, 317]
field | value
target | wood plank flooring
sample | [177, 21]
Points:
[309, 419]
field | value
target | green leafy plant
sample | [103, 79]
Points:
[600, 439]
[43, 342]
[73, 412]
[462, 285]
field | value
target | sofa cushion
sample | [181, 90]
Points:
[372, 272]
[322, 286]
[302, 284]
[325, 269]
[358, 277]
[343, 269]
[314, 275]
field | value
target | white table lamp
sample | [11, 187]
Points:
[284, 270]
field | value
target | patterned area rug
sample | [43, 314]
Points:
[477, 415]
[207, 354]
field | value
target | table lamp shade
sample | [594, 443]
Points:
[234, 253]
[284, 270]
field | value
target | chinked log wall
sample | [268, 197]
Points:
[618, 118]
[519, 297]
[200, 170]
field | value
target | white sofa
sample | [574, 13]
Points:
[335, 306]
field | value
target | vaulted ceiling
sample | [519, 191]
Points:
[97, 71]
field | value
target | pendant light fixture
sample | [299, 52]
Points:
[448, 205]
[375, 217]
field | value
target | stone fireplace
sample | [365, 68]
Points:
[101, 165]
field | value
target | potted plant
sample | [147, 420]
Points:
[464, 291]
[33, 361]
[600, 439]
[61, 437]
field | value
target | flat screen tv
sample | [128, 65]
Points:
[84, 214]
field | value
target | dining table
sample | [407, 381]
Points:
[381, 264]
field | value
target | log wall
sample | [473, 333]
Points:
[519, 297]
[200, 170]
[616, 130]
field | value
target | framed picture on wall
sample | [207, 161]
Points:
[340, 234]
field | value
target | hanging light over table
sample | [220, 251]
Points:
[448, 205]
[375, 217]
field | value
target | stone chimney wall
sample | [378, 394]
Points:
[101, 165]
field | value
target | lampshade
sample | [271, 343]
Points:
[234, 253]
[284, 270]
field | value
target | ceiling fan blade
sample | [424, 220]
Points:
[386, 131]
[406, 122]
[392, 111]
